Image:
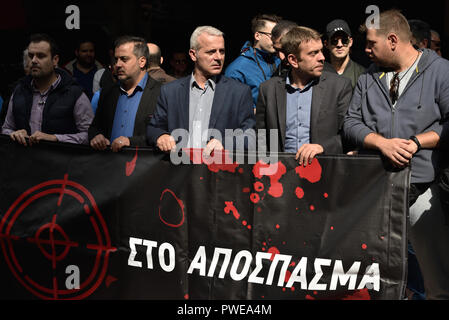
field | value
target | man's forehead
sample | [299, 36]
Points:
[41, 46]
[311, 45]
[208, 41]
[124, 49]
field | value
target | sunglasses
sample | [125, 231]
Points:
[344, 41]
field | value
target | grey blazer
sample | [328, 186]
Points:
[330, 100]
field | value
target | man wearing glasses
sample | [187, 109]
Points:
[339, 42]
[258, 60]
[400, 109]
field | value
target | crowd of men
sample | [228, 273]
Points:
[398, 107]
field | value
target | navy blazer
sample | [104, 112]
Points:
[232, 108]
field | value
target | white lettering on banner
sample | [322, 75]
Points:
[166, 266]
[240, 267]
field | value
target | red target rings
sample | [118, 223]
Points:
[42, 254]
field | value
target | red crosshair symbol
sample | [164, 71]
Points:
[53, 242]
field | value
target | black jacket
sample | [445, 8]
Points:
[57, 117]
[107, 105]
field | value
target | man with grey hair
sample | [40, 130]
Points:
[125, 107]
[202, 102]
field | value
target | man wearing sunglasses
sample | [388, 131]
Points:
[257, 60]
[339, 42]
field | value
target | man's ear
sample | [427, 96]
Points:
[393, 40]
[292, 60]
[142, 62]
[192, 54]
[55, 60]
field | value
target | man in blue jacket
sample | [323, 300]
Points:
[400, 108]
[257, 61]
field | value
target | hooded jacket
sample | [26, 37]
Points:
[253, 67]
[422, 107]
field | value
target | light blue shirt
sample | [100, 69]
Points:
[299, 105]
[95, 100]
[125, 114]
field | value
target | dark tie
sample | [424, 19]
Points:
[394, 88]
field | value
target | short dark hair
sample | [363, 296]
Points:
[258, 22]
[43, 37]
[282, 27]
[420, 31]
[140, 46]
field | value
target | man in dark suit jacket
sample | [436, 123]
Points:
[125, 108]
[308, 107]
[205, 100]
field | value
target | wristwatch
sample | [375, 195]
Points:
[415, 140]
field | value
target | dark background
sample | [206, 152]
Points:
[170, 23]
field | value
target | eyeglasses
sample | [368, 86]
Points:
[265, 33]
[344, 41]
[394, 88]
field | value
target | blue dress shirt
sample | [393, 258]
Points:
[126, 111]
[299, 105]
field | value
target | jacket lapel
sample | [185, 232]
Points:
[184, 103]
[217, 104]
[317, 98]
[281, 106]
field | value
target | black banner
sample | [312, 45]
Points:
[80, 224]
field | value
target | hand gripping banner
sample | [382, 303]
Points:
[80, 224]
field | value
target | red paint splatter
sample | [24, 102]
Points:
[299, 193]
[186, 296]
[274, 172]
[332, 228]
[218, 161]
[241, 170]
[231, 208]
[309, 297]
[130, 166]
[259, 209]
[274, 251]
[258, 186]
[254, 197]
[312, 172]
[278, 226]
[246, 190]
[244, 222]
[364, 246]
[312, 208]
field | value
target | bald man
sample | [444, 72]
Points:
[154, 70]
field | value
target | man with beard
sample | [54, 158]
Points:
[125, 107]
[202, 101]
[47, 104]
[308, 106]
[400, 110]
[84, 66]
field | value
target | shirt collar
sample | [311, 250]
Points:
[52, 87]
[211, 82]
[291, 88]
[140, 86]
